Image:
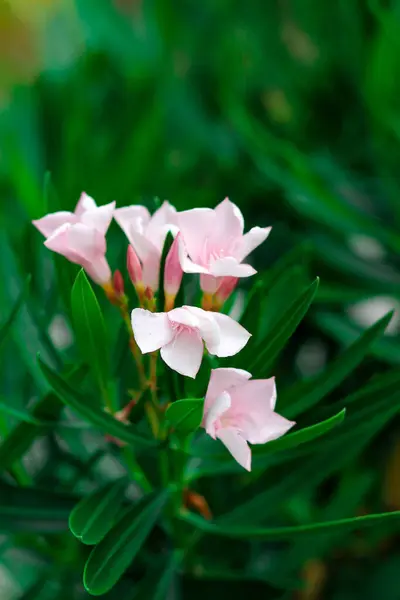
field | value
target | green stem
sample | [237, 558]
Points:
[136, 472]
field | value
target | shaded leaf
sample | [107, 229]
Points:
[113, 555]
[185, 415]
[93, 516]
[95, 415]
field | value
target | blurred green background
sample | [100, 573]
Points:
[291, 108]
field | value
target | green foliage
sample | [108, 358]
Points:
[291, 109]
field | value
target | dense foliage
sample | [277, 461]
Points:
[291, 109]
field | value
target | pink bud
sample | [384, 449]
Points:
[226, 288]
[118, 283]
[134, 266]
[173, 271]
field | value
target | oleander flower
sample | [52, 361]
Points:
[213, 243]
[147, 235]
[80, 236]
[239, 410]
[180, 334]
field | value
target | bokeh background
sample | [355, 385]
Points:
[291, 108]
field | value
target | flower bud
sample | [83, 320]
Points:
[118, 283]
[225, 289]
[173, 272]
[134, 266]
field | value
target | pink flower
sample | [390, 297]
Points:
[80, 236]
[147, 235]
[180, 334]
[238, 410]
[214, 245]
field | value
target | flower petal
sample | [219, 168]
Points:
[99, 218]
[215, 410]
[229, 222]
[236, 445]
[252, 411]
[151, 330]
[230, 267]
[233, 337]
[85, 203]
[50, 223]
[98, 270]
[162, 221]
[207, 327]
[222, 380]
[132, 219]
[196, 226]
[184, 316]
[188, 266]
[250, 241]
[77, 242]
[184, 353]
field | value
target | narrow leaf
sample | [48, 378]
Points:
[306, 394]
[90, 329]
[113, 555]
[93, 517]
[266, 352]
[281, 533]
[95, 415]
[6, 326]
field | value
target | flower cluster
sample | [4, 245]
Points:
[210, 242]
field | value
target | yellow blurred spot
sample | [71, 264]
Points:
[277, 105]
[314, 574]
[299, 44]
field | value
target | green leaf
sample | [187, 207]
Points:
[185, 415]
[282, 533]
[266, 352]
[21, 415]
[93, 517]
[345, 331]
[157, 583]
[6, 326]
[95, 415]
[32, 510]
[307, 393]
[90, 330]
[113, 555]
[160, 294]
[47, 411]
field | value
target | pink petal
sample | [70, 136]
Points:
[215, 410]
[77, 242]
[252, 411]
[236, 445]
[99, 218]
[250, 241]
[206, 326]
[98, 270]
[59, 242]
[257, 397]
[150, 257]
[183, 316]
[132, 219]
[162, 221]
[85, 203]
[196, 226]
[233, 337]
[50, 223]
[230, 221]
[184, 353]
[173, 271]
[151, 330]
[188, 266]
[230, 267]
[222, 380]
